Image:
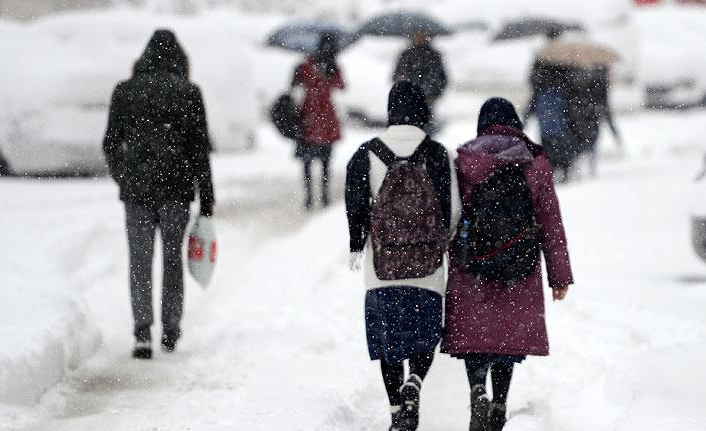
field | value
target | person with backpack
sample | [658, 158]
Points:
[494, 299]
[550, 102]
[319, 75]
[401, 203]
[157, 148]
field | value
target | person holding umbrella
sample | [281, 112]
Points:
[420, 63]
[570, 81]
[319, 75]
[423, 65]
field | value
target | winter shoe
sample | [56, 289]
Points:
[496, 417]
[410, 403]
[142, 350]
[396, 417]
[169, 340]
[479, 409]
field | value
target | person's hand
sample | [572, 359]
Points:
[559, 293]
[355, 261]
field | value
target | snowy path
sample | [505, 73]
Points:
[278, 341]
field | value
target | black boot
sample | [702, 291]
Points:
[410, 403]
[169, 340]
[142, 350]
[143, 343]
[479, 409]
[396, 417]
[496, 417]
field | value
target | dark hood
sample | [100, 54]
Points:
[407, 104]
[498, 146]
[497, 111]
[163, 53]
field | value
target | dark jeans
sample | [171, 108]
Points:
[171, 219]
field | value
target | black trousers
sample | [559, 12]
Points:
[142, 222]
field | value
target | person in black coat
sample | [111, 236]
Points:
[157, 149]
[423, 65]
[550, 102]
[589, 107]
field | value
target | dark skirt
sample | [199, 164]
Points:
[308, 151]
[402, 321]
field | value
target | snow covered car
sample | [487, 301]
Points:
[59, 72]
[673, 62]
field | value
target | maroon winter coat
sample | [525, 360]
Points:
[485, 316]
[321, 124]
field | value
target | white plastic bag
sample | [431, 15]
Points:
[202, 251]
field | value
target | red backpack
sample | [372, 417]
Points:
[407, 226]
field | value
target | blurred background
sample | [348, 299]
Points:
[278, 340]
[61, 60]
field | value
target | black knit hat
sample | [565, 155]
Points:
[497, 111]
[407, 104]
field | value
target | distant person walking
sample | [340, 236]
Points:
[157, 148]
[321, 128]
[401, 198]
[589, 106]
[423, 65]
[550, 102]
[494, 300]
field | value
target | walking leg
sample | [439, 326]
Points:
[308, 202]
[500, 375]
[173, 218]
[477, 366]
[393, 377]
[419, 365]
[325, 180]
[141, 224]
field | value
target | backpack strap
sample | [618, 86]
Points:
[384, 153]
[420, 155]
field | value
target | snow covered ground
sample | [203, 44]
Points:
[277, 341]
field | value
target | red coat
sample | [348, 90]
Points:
[492, 317]
[321, 124]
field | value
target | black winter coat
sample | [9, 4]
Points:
[157, 145]
[424, 66]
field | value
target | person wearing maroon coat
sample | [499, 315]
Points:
[491, 324]
[319, 75]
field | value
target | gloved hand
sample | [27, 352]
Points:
[355, 261]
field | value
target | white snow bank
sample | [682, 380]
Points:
[55, 336]
[58, 75]
[45, 328]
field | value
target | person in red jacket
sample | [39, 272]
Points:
[493, 324]
[319, 75]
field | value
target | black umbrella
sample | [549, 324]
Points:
[404, 24]
[304, 36]
[529, 27]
